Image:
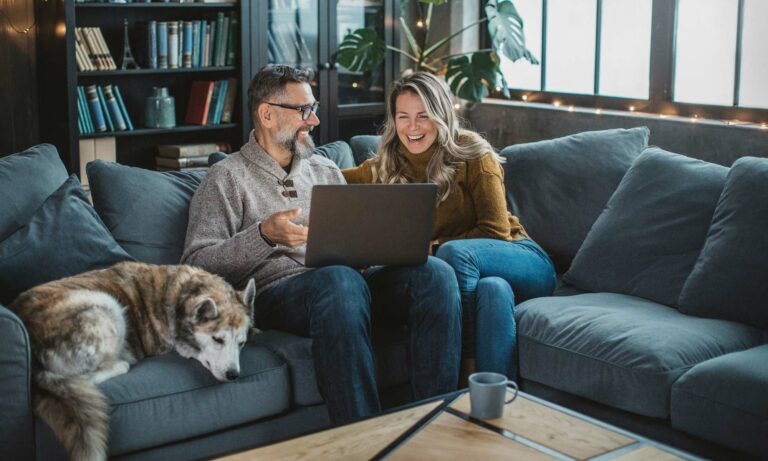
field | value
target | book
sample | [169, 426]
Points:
[191, 150]
[162, 45]
[173, 44]
[231, 57]
[182, 162]
[223, 84]
[211, 120]
[121, 103]
[103, 102]
[212, 45]
[199, 102]
[97, 116]
[114, 109]
[217, 43]
[186, 44]
[87, 150]
[229, 101]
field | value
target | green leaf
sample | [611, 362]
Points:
[361, 50]
[470, 75]
[505, 27]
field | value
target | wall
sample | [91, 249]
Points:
[505, 123]
[18, 78]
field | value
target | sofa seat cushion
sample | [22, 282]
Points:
[567, 181]
[725, 400]
[169, 398]
[620, 350]
[646, 241]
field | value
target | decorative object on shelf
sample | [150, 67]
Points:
[128, 61]
[469, 74]
[160, 110]
[23, 31]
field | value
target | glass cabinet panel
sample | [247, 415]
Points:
[360, 87]
[293, 33]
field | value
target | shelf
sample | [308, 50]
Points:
[155, 131]
[179, 70]
[156, 5]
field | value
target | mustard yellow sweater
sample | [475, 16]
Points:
[476, 208]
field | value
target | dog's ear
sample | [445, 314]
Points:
[206, 310]
[249, 295]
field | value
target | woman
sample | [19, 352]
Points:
[496, 263]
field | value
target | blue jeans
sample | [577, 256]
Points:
[493, 275]
[335, 306]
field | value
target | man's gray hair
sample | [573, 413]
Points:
[269, 83]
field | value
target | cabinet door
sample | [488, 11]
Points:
[295, 37]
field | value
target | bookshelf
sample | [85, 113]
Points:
[60, 76]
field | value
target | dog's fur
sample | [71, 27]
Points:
[92, 327]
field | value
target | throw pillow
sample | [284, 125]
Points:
[145, 210]
[63, 237]
[559, 187]
[364, 147]
[339, 152]
[27, 179]
[728, 280]
[647, 239]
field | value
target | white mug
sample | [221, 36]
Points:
[487, 392]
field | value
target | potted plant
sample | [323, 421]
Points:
[469, 74]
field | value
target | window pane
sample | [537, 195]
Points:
[625, 48]
[754, 58]
[522, 74]
[571, 46]
[706, 51]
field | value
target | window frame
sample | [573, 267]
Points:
[661, 79]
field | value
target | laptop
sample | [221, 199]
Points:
[362, 225]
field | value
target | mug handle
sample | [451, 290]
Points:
[513, 385]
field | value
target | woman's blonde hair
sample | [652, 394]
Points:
[453, 144]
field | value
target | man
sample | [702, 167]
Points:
[249, 214]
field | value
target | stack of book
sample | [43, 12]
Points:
[101, 109]
[211, 102]
[197, 43]
[185, 157]
[91, 50]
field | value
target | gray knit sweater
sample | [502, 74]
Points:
[235, 196]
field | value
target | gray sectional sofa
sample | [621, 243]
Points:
[660, 313]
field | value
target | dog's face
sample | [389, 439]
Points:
[216, 323]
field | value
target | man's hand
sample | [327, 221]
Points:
[279, 228]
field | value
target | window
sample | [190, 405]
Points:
[694, 58]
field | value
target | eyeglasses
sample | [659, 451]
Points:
[305, 110]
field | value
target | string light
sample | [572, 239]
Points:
[524, 97]
[354, 84]
[498, 88]
[556, 103]
[419, 23]
[764, 126]
[24, 31]
[570, 108]
[457, 106]
[598, 111]
[631, 108]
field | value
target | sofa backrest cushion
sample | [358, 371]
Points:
[559, 187]
[729, 279]
[145, 210]
[364, 147]
[339, 152]
[63, 237]
[27, 179]
[646, 241]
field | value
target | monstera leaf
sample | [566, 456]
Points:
[469, 76]
[505, 27]
[362, 50]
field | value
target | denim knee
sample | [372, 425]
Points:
[496, 289]
[456, 254]
[435, 279]
[340, 295]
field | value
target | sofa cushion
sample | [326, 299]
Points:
[339, 152]
[728, 280]
[647, 239]
[169, 398]
[63, 237]
[145, 210]
[364, 147]
[27, 179]
[559, 187]
[620, 350]
[725, 400]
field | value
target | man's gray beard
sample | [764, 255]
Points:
[298, 148]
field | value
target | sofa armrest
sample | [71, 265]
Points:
[16, 418]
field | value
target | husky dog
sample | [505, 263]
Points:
[92, 327]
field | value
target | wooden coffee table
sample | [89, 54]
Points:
[531, 428]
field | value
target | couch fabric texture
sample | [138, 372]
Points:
[567, 181]
[729, 279]
[647, 239]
